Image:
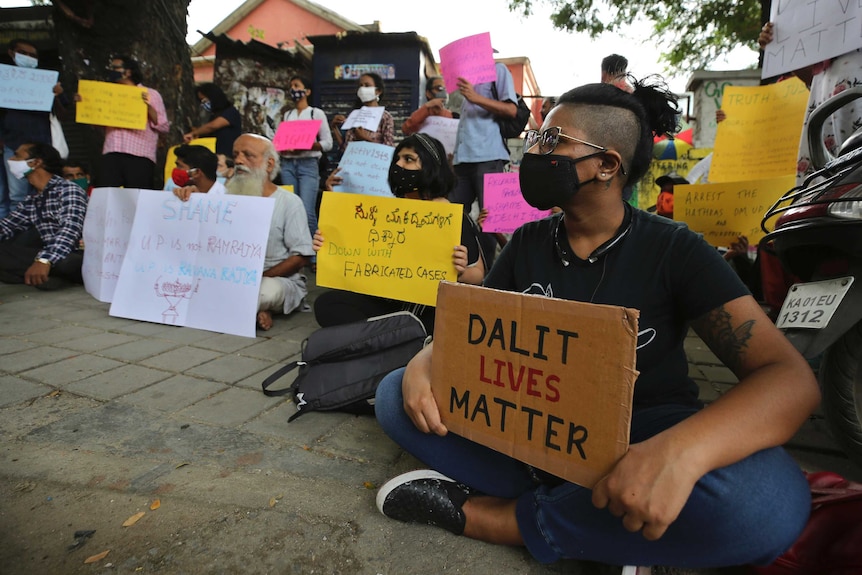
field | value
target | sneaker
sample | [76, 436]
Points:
[425, 496]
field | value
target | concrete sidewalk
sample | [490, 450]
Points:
[102, 417]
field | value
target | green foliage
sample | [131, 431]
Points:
[691, 33]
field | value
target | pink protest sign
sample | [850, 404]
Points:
[470, 58]
[296, 135]
[506, 207]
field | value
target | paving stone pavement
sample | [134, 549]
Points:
[110, 408]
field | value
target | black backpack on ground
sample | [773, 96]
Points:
[342, 365]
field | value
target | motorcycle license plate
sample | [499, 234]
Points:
[811, 305]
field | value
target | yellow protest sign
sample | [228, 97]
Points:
[760, 137]
[110, 104]
[721, 212]
[546, 381]
[647, 188]
[389, 247]
[171, 158]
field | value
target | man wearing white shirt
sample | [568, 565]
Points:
[196, 171]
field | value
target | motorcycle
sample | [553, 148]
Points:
[818, 237]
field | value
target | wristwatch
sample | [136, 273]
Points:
[43, 261]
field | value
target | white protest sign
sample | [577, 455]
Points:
[27, 88]
[107, 226]
[443, 129]
[197, 263]
[808, 32]
[367, 117]
[364, 169]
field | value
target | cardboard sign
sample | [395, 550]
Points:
[367, 117]
[548, 382]
[110, 104]
[807, 33]
[721, 212]
[471, 58]
[364, 169]
[389, 247]
[107, 227]
[507, 209]
[296, 135]
[197, 263]
[760, 137]
[171, 158]
[27, 88]
[443, 129]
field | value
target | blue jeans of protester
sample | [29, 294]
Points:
[748, 512]
[12, 190]
[304, 175]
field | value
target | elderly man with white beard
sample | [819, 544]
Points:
[288, 247]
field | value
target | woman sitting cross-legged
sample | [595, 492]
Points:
[419, 171]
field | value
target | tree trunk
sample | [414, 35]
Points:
[153, 32]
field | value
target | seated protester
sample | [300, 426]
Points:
[77, 172]
[196, 169]
[38, 241]
[419, 171]
[435, 105]
[698, 487]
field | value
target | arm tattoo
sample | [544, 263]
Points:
[728, 343]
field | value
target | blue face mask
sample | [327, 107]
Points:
[221, 179]
[207, 105]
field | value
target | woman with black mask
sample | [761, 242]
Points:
[697, 488]
[225, 123]
[301, 168]
[419, 171]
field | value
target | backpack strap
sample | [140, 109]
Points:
[277, 375]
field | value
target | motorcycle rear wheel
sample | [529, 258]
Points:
[840, 378]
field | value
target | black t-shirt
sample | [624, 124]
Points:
[225, 136]
[658, 266]
[470, 240]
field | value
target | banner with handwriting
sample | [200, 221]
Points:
[27, 88]
[367, 117]
[296, 135]
[808, 33]
[197, 263]
[760, 137]
[443, 129]
[721, 212]
[107, 226]
[110, 104]
[364, 169]
[388, 247]
[507, 209]
[471, 58]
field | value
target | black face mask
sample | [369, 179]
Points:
[115, 75]
[551, 180]
[402, 181]
[297, 95]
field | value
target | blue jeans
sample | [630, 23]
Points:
[303, 174]
[12, 190]
[748, 512]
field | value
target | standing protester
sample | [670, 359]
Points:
[479, 146]
[698, 487]
[39, 241]
[435, 105]
[129, 156]
[368, 94]
[225, 123]
[301, 168]
[19, 126]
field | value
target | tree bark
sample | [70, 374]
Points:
[153, 32]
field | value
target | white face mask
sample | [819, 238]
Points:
[19, 168]
[25, 61]
[367, 93]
